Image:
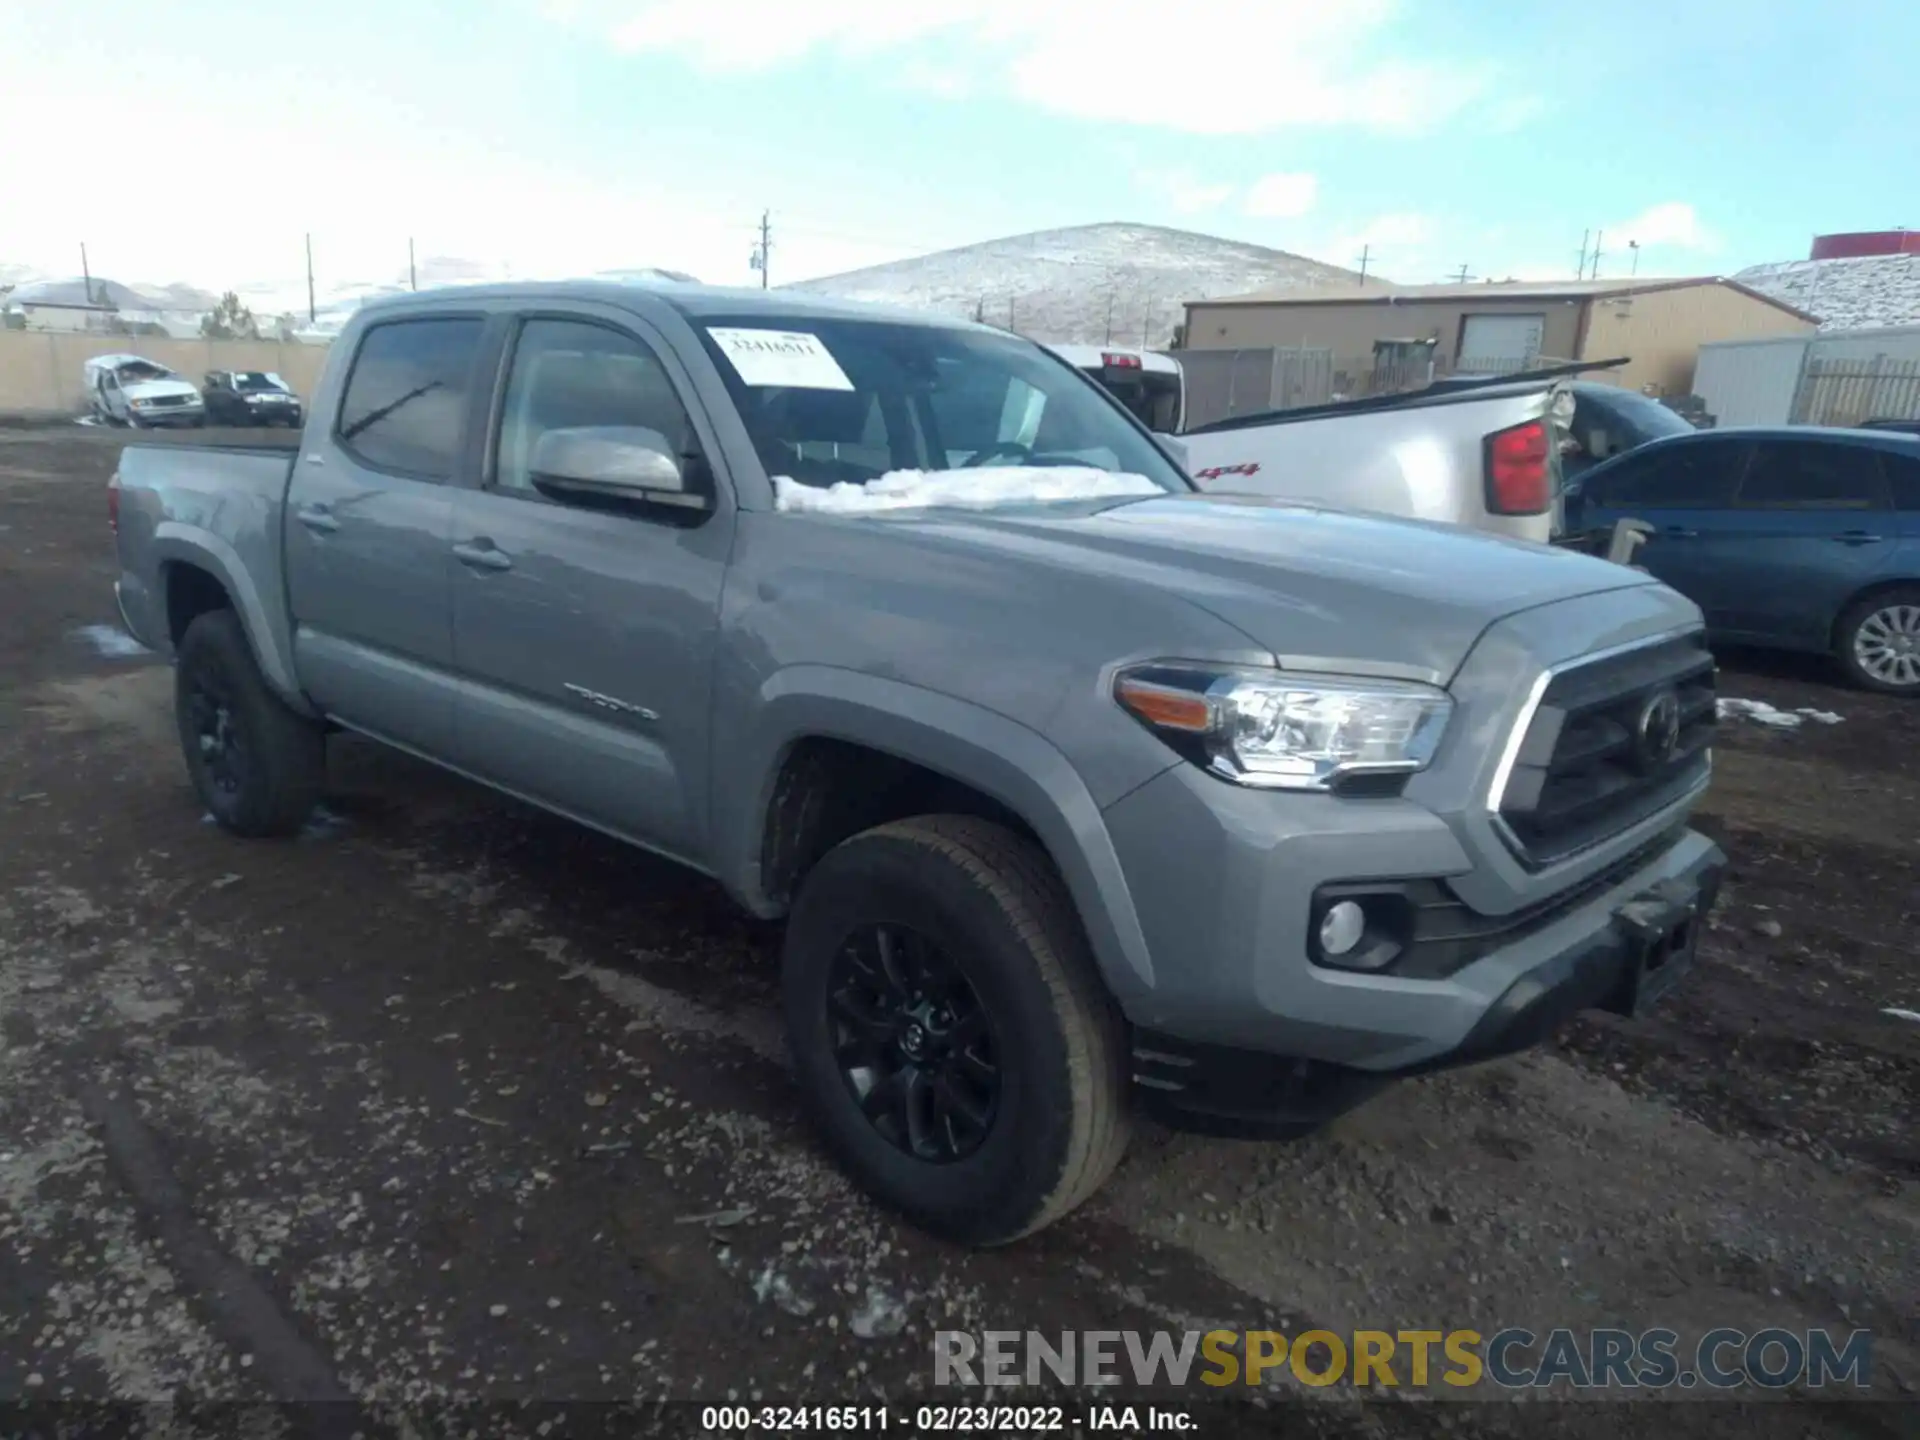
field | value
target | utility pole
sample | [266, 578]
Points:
[86, 274]
[1634, 247]
[413, 279]
[1594, 268]
[313, 312]
[764, 248]
[1366, 253]
[1146, 319]
[1580, 270]
[1462, 276]
[1109, 339]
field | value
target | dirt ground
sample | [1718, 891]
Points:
[451, 1100]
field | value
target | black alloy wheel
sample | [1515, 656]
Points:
[216, 732]
[913, 1043]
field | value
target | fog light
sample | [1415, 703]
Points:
[1342, 927]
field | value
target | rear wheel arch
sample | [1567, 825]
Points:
[190, 591]
[1874, 590]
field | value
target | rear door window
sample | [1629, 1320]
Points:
[406, 400]
[1684, 477]
[1807, 475]
[1903, 479]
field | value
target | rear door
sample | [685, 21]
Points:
[368, 529]
[1812, 525]
[1685, 491]
[584, 635]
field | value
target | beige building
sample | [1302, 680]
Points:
[1659, 324]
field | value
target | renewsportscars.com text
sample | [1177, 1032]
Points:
[1511, 1358]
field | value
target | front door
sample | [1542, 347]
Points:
[584, 636]
[369, 524]
[1683, 490]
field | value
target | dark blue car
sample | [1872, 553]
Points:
[1800, 539]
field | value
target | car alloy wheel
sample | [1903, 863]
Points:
[913, 1043]
[216, 734]
[1886, 645]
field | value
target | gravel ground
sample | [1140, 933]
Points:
[449, 1100]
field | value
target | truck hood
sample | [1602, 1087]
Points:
[158, 389]
[1314, 586]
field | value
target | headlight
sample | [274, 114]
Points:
[1278, 730]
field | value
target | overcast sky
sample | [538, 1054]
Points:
[199, 141]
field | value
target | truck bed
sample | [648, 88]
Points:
[223, 500]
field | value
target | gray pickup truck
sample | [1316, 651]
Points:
[1082, 793]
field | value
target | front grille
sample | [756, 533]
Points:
[1595, 760]
[161, 400]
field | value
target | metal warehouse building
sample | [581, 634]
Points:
[1495, 327]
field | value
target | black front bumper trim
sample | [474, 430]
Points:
[1223, 1090]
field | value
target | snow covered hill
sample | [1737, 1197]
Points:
[1871, 290]
[1091, 284]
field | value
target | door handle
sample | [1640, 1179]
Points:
[317, 518]
[1680, 532]
[483, 554]
[1857, 537]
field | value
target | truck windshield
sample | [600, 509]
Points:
[830, 400]
[256, 380]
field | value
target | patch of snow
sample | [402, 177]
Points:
[880, 1317]
[981, 486]
[1900, 1014]
[1856, 293]
[111, 641]
[1762, 713]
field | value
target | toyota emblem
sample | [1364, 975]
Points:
[1657, 733]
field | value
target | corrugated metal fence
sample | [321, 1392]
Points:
[1847, 391]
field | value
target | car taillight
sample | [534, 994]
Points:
[1519, 470]
[113, 504]
[1120, 362]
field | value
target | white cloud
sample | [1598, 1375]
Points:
[1264, 64]
[1284, 196]
[1183, 192]
[1673, 225]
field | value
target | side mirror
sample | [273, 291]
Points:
[611, 462]
[1177, 448]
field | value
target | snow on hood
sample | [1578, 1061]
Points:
[984, 486]
[154, 389]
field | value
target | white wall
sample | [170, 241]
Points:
[1750, 382]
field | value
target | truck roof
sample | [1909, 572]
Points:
[694, 301]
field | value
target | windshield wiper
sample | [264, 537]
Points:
[373, 417]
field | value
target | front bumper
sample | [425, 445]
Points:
[1621, 950]
[171, 415]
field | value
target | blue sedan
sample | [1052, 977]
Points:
[1795, 538]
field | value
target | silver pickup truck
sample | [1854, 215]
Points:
[1081, 793]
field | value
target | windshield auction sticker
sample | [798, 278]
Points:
[781, 357]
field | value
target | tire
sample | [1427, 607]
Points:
[262, 772]
[1887, 627]
[992, 903]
